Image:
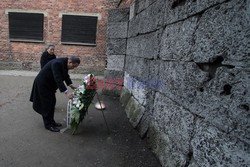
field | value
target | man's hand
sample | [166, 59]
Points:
[73, 87]
[69, 94]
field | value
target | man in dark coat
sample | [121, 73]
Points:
[47, 55]
[51, 77]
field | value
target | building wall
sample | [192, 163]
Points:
[198, 114]
[22, 53]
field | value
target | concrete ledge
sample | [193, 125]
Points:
[125, 96]
[134, 111]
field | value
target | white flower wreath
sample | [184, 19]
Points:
[82, 98]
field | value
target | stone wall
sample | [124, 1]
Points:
[117, 31]
[14, 54]
[187, 78]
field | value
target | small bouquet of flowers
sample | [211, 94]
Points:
[82, 98]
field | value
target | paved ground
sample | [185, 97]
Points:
[25, 143]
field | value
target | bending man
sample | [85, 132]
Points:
[50, 78]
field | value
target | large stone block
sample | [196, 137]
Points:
[134, 111]
[220, 100]
[145, 46]
[116, 46]
[118, 15]
[146, 119]
[176, 10]
[181, 80]
[148, 20]
[224, 101]
[168, 154]
[177, 40]
[231, 87]
[117, 30]
[116, 62]
[224, 31]
[136, 67]
[174, 121]
[211, 147]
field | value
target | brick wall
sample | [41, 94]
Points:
[92, 57]
[125, 3]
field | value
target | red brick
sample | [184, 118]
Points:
[20, 51]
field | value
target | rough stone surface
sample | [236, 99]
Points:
[198, 112]
[140, 92]
[118, 15]
[212, 147]
[174, 121]
[116, 46]
[224, 31]
[146, 46]
[117, 30]
[168, 154]
[177, 40]
[207, 98]
[142, 5]
[116, 62]
[179, 10]
[181, 81]
[148, 20]
[136, 67]
[231, 88]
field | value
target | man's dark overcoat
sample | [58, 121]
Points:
[49, 79]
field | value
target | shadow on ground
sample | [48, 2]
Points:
[25, 143]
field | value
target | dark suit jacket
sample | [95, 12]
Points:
[45, 58]
[50, 78]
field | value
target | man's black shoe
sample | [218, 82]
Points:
[57, 124]
[53, 129]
